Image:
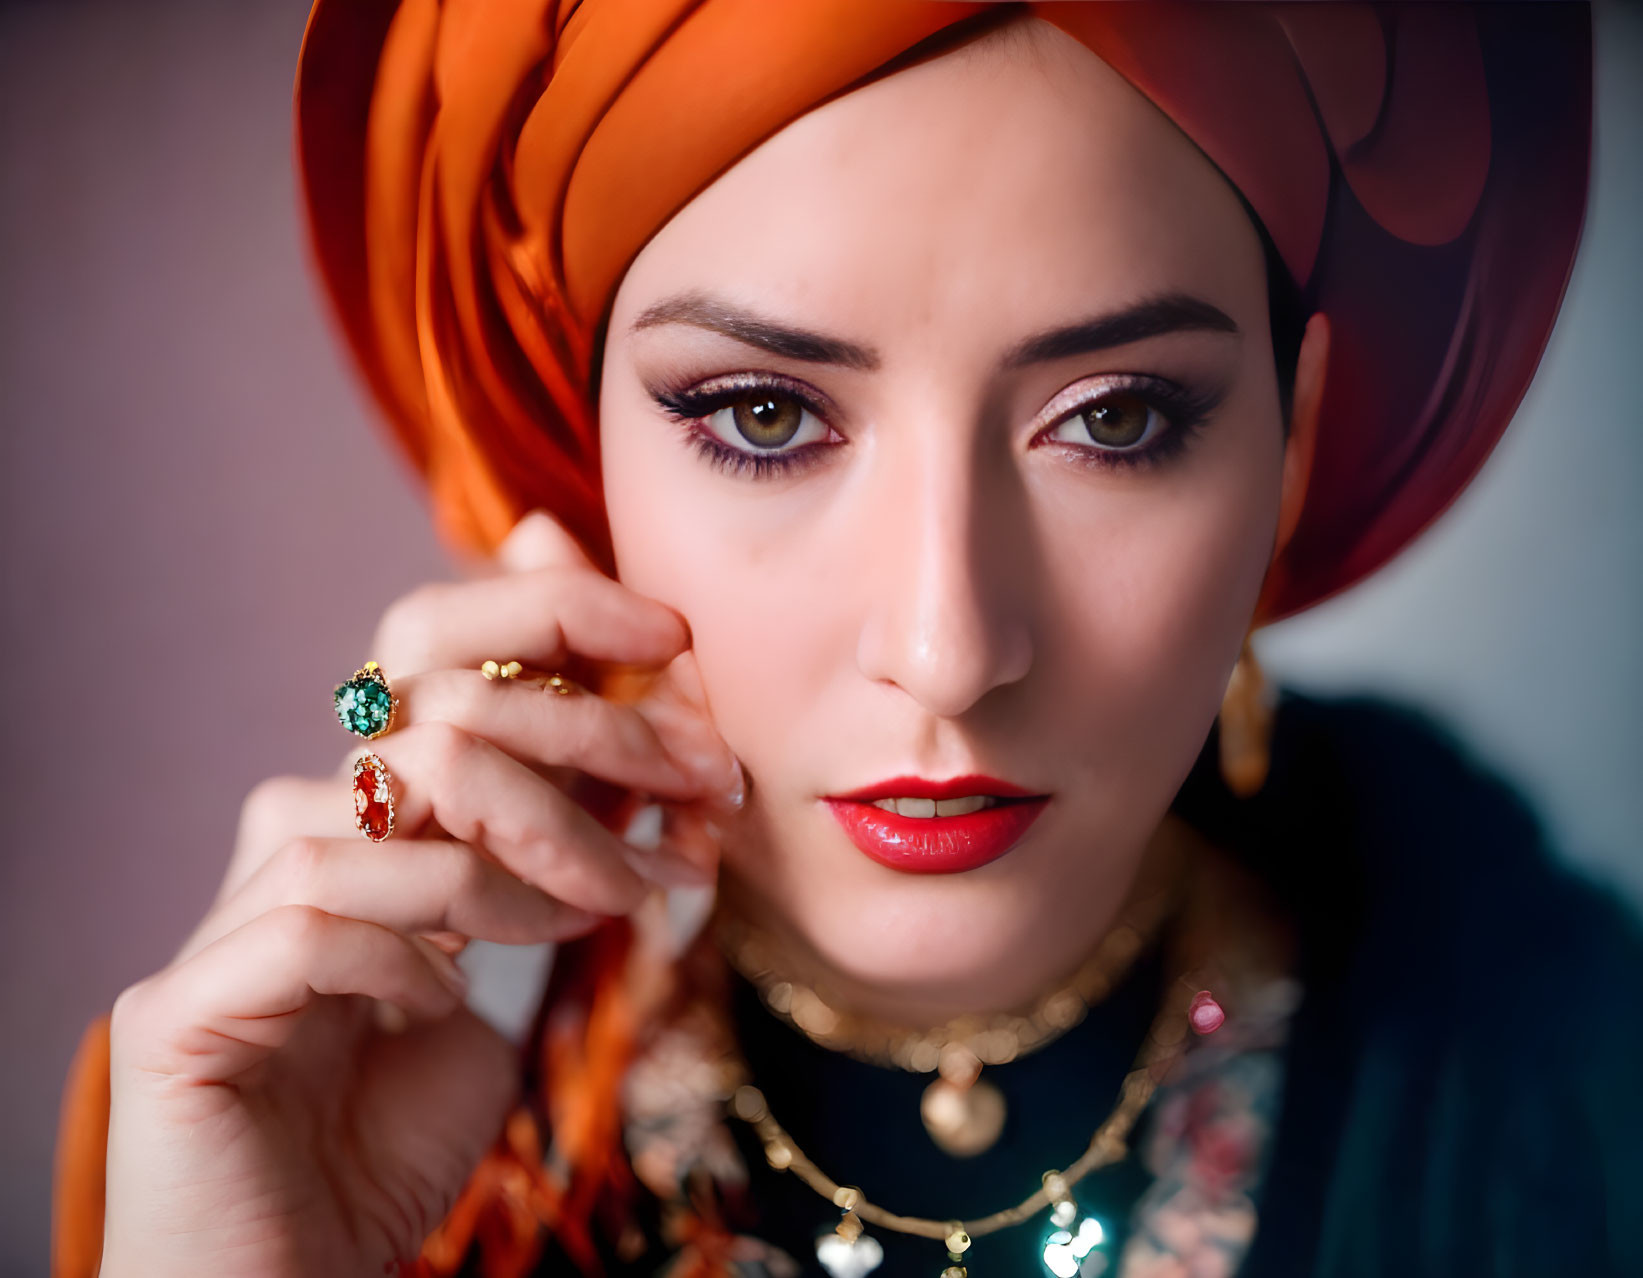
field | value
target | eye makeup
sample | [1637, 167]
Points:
[1184, 409]
[691, 406]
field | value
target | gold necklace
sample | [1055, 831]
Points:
[849, 1251]
[963, 1112]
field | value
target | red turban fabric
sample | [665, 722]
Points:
[480, 173]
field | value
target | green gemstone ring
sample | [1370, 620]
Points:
[365, 705]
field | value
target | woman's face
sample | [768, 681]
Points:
[948, 419]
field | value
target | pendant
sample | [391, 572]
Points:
[963, 1121]
[849, 1259]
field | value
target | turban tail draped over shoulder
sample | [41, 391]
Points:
[480, 173]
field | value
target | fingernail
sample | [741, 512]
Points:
[452, 975]
[445, 966]
[704, 764]
[737, 794]
[666, 868]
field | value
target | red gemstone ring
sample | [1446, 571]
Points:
[373, 798]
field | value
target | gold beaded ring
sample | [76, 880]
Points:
[373, 798]
[555, 683]
[365, 704]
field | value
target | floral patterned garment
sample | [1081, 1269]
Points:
[1206, 1150]
[1208, 1147]
[624, 1161]
[1200, 1156]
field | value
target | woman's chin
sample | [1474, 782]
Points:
[934, 946]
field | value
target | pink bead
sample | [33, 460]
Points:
[1204, 1013]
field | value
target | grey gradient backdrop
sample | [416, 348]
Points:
[184, 461]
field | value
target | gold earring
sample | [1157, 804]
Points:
[1246, 727]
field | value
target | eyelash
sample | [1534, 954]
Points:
[1184, 408]
[691, 406]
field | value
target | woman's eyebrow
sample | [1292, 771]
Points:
[1153, 317]
[1165, 313]
[702, 311]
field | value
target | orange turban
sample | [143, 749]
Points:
[480, 173]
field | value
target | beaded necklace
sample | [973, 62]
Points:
[1207, 1147]
[851, 1252]
[964, 1113]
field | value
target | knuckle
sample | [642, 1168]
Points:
[268, 806]
[406, 625]
[581, 727]
[560, 586]
[299, 929]
[444, 696]
[539, 538]
[130, 1008]
[302, 864]
[463, 875]
[448, 745]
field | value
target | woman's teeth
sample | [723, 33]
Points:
[937, 807]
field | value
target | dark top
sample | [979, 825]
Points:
[1463, 1086]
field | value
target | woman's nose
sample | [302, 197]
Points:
[946, 620]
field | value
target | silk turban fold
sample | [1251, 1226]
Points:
[478, 174]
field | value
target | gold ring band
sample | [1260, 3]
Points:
[548, 680]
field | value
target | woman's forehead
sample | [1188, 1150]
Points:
[1022, 179]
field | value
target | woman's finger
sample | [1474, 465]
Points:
[675, 706]
[541, 618]
[409, 885]
[280, 809]
[676, 755]
[620, 742]
[482, 796]
[538, 540]
[239, 999]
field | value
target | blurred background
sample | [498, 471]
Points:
[186, 463]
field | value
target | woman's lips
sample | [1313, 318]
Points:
[937, 844]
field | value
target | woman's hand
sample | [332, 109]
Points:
[267, 1118]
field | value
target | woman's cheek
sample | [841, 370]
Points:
[1157, 620]
[1222, 547]
[749, 633]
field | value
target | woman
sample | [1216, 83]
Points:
[948, 390]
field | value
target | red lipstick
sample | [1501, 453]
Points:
[937, 844]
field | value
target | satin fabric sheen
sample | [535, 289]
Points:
[479, 175]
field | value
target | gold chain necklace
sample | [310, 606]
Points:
[849, 1251]
[963, 1112]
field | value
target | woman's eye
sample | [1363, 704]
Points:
[753, 427]
[765, 420]
[1115, 423]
